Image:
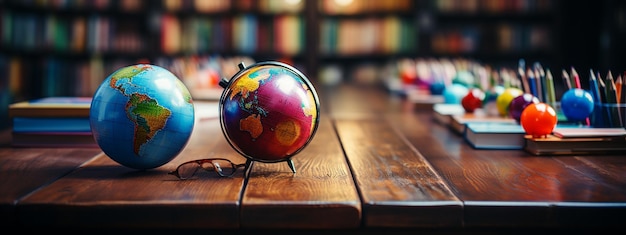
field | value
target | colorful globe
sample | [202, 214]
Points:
[538, 119]
[473, 100]
[519, 103]
[142, 116]
[268, 111]
[577, 104]
[504, 100]
[454, 93]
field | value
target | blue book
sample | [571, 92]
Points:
[495, 135]
[51, 124]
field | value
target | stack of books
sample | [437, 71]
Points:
[443, 112]
[494, 135]
[52, 122]
[578, 141]
[459, 122]
[480, 130]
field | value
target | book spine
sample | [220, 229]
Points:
[28, 124]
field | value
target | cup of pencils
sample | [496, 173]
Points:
[609, 115]
[610, 108]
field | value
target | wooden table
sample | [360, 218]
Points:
[375, 165]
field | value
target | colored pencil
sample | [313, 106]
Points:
[566, 80]
[610, 88]
[605, 111]
[618, 89]
[601, 88]
[522, 75]
[551, 96]
[594, 88]
[611, 97]
[575, 78]
[532, 82]
[540, 75]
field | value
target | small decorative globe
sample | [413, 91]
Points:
[538, 119]
[577, 104]
[473, 100]
[141, 116]
[269, 111]
[504, 100]
[437, 87]
[518, 104]
[454, 93]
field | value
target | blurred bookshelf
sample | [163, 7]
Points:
[66, 48]
[356, 35]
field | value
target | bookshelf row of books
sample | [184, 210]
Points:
[66, 35]
[334, 7]
[244, 33]
[196, 6]
[481, 6]
[222, 6]
[385, 35]
[501, 38]
[121, 5]
[217, 6]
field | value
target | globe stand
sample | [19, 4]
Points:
[226, 84]
[250, 161]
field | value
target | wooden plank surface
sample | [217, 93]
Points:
[398, 186]
[24, 170]
[373, 165]
[320, 195]
[105, 194]
[508, 188]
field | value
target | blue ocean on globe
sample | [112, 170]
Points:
[142, 116]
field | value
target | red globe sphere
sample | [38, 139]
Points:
[473, 100]
[538, 119]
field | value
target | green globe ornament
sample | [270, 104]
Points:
[141, 116]
[269, 112]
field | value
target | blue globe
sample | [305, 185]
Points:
[576, 104]
[142, 116]
[454, 93]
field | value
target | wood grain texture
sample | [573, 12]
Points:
[24, 170]
[320, 195]
[375, 165]
[105, 194]
[511, 187]
[398, 186]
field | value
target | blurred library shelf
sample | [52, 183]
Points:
[66, 48]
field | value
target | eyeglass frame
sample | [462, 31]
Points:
[215, 168]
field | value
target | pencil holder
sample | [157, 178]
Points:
[608, 115]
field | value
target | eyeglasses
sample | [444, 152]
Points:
[221, 166]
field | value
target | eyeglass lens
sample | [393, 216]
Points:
[222, 167]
